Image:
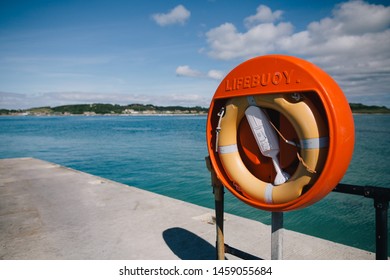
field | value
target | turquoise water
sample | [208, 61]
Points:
[165, 154]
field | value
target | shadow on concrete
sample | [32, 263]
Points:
[187, 245]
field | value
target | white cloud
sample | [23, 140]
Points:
[186, 71]
[215, 74]
[355, 27]
[179, 15]
[264, 14]
[353, 44]
[226, 42]
[355, 18]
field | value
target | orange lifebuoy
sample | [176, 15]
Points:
[321, 119]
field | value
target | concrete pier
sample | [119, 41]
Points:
[48, 211]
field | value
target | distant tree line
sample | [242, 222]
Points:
[101, 109]
[365, 109]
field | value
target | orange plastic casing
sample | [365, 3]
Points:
[273, 74]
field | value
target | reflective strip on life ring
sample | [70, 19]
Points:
[311, 130]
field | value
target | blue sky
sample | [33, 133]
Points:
[176, 52]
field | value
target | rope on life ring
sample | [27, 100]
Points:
[294, 144]
[312, 133]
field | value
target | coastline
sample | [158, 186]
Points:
[104, 115]
[148, 110]
[138, 114]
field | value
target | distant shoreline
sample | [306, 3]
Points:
[101, 115]
[108, 109]
[99, 109]
[137, 115]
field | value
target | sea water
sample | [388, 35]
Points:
[166, 155]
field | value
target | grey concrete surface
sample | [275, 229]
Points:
[51, 212]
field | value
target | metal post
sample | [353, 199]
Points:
[381, 209]
[219, 210]
[277, 236]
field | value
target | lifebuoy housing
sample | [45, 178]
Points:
[306, 105]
